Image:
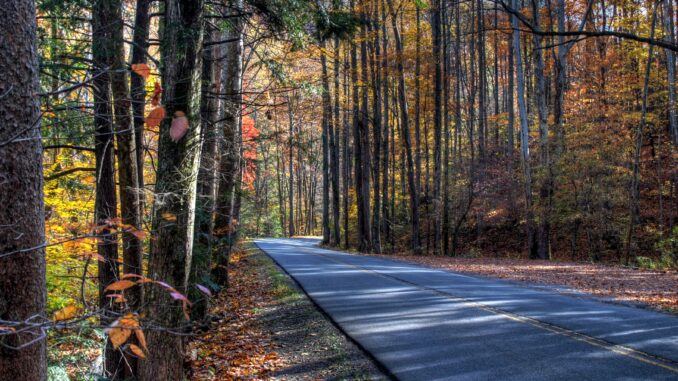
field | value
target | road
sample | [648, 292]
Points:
[426, 324]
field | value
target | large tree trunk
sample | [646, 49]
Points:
[104, 49]
[174, 204]
[376, 121]
[405, 131]
[385, 217]
[22, 216]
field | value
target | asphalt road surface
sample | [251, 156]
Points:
[426, 324]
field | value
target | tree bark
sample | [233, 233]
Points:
[22, 216]
[175, 191]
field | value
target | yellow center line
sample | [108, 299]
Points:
[596, 342]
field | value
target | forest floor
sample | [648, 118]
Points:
[272, 331]
[639, 287]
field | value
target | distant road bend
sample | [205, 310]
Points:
[426, 324]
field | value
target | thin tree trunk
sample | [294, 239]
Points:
[326, 128]
[405, 131]
[634, 204]
[138, 88]
[524, 133]
[104, 51]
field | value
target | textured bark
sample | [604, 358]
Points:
[175, 192]
[385, 218]
[22, 275]
[104, 49]
[376, 122]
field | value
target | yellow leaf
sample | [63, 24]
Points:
[65, 313]
[120, 285]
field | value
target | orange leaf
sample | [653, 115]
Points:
[141, 337]
[137, 351]
[169, 217]
[65, 313]
[156, 116]
[157, 90]
[142, 69]
[120, 285]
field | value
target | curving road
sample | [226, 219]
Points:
[426, 324]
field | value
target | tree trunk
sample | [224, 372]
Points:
[138, 88]
[229, 164]
[336, 238]
[543, 232]
[405, 131]
[436, 28]
[326, 127]
[524, 134]
[22, 216]
[104, 51]
[174, 204]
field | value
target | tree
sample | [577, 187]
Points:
[175, 191]
[23, 290]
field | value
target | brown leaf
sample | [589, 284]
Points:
[65, 313]
[137, 351]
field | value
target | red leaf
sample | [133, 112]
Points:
[156, 116]
[157, 90]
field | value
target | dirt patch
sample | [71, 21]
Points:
[269, 330]
[656, 289]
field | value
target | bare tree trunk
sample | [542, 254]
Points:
[104, 50]
[327, 126]
[174, 205]
[543, 232]
[524, 133]
[376, 121]
[436, 28]
[634, 199]
[229, 164]
[385, 218]
[334, 168]
[138, 88]
[405, 131]
[23, 290]
[207, 176]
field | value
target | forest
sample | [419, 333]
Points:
[144, 142]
